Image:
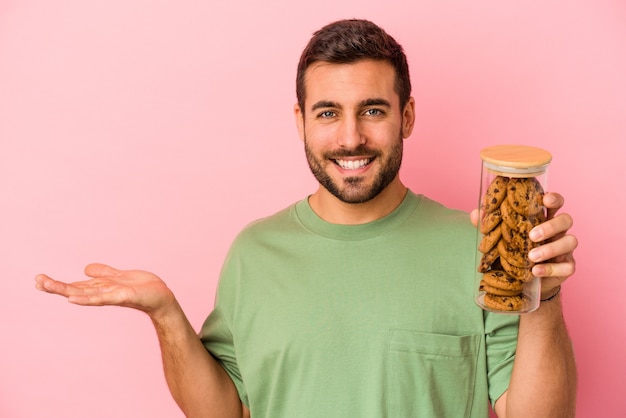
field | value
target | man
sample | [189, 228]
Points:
[357, 301]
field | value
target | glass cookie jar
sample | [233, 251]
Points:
[513, 180]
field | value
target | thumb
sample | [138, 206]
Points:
[97, 270]
[474, 215]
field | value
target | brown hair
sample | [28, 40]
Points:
[348, 41]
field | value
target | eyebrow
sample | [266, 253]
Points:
[367, 102]
[324, 104]
[375, 102]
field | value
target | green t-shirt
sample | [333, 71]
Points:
[314, 319]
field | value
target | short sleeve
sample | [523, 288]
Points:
[216, 333]
[501, 343]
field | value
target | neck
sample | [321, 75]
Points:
[333, 210]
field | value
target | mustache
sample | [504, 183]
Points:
[359, 151]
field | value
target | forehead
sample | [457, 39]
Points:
[350, 83]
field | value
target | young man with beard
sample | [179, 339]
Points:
[358, 300]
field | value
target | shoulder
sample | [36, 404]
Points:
[276, 221]
[439, 214]
[267, 228]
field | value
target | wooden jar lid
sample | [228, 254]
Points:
[516, 160]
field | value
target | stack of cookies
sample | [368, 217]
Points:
[511, 207]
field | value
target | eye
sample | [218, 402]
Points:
[374, 112]
[326, 114]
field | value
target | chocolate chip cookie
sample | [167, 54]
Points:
[513, 255]
[517, 239]
[501, 280]
[490, 220]
[488, 259]
[520, 222]
[495, 194]
[504, 303]
[525, 195]
[490, 240]
[521, 273]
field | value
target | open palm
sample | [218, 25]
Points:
[108, 286]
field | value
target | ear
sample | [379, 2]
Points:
[299, 115]
[408, 118]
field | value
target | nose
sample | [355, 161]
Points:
[350, 134]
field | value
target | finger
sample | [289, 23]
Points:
[559, 224]
[93, 292]
[563, 246]
[558, 272]
[474, 216]
[97, 270]
[89, 287]
[101, 298]
[49, 285]
[553, 202]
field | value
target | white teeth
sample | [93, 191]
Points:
[352, 165]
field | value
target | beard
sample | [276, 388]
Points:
[353, 189]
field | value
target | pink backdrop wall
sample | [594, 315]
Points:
[145, 134]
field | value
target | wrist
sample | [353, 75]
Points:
[167, 309]
[553, 293]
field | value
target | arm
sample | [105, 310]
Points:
[196, 380]
[543, 383]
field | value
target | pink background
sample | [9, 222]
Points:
[146, 134]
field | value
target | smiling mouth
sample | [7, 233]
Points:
[353, 164]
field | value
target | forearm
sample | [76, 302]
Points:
[543, 383]
[198, 383]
